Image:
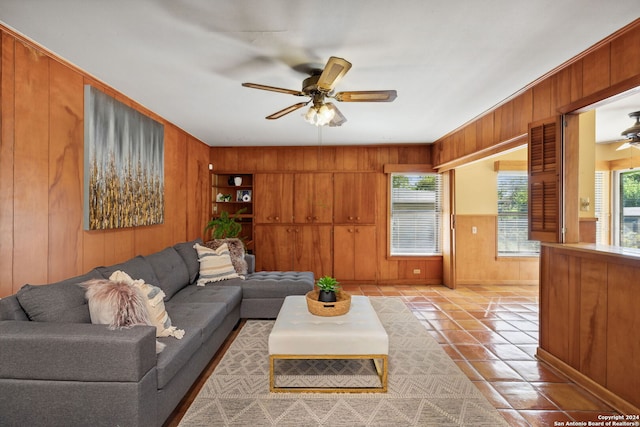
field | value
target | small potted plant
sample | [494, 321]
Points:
[328, 287]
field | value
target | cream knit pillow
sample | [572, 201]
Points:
[153, 298]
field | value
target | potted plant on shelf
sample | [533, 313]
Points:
[328, 287]
[225, 226]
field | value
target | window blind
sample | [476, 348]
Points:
[599, 208]
[513, 223]
[415, 214]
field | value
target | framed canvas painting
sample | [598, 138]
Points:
[124, 165]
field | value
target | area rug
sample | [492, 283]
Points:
[425, 387]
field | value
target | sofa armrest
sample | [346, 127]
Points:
[75, 351]
[251, 263]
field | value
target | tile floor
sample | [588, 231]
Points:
[491, 332]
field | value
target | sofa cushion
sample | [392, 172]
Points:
[190, 257]
[170, 269]
[231, 296]
[137, 268]
[215, 264]
[277, 284]
[62, 302]
[10, 309]
[199, 322]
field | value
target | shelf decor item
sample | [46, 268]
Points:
[243, 196]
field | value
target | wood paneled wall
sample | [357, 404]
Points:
[588, 320]
[344, 159]
[476, 261]
[41, 175]
[611, 67]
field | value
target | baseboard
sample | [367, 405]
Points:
[498, 282]
[602, 393]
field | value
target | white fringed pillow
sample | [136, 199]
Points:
[153, 298]
[215, 264]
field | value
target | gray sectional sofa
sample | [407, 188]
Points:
[56, 368]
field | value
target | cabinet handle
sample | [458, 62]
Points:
[350, 218]
[277, 218]
[350, 230]
[309, 218]
[315, 218]
[357, 218]
[357, 230]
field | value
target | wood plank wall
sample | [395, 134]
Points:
[609, 68]
[41, 175]
[344, 159]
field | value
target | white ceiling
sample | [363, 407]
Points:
[449, 60]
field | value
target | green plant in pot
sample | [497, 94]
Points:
[225, 226]
[328, 287]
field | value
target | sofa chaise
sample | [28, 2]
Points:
[57, 368]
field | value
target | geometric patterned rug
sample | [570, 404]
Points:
[425, 387]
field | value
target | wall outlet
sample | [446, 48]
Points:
[416, 271]
[474, 230]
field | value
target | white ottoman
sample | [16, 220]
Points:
[359, 334]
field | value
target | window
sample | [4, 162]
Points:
[415, 214]
[627, 209]
[513, 221]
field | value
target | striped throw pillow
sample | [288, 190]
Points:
[215, 264]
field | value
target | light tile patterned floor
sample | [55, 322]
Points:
[491, 332]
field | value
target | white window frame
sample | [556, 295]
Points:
[402, 202]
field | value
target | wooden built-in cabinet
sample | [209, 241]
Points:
[294, 247]
[355, 252]
[589, 319]
[354, 198]
[285, 202]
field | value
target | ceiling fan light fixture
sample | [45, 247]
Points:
[634, 131]
[319, 115]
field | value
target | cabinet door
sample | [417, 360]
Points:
[275, 248]
[313, 249]
[344, 252]
[273, 199]
[355, 252]
[313, 198]
[354, 198]
[365, 253]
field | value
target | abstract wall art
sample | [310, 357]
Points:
[123, 165]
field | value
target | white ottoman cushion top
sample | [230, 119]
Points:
[298, 332]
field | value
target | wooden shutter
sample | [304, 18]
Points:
[545, 191]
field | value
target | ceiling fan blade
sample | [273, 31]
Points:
[338, 119]
[624, 146]
[273, 89]
[287, 110]
[366, 96]
[335, 69]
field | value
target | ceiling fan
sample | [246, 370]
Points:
[318, 87]
[632, 134]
